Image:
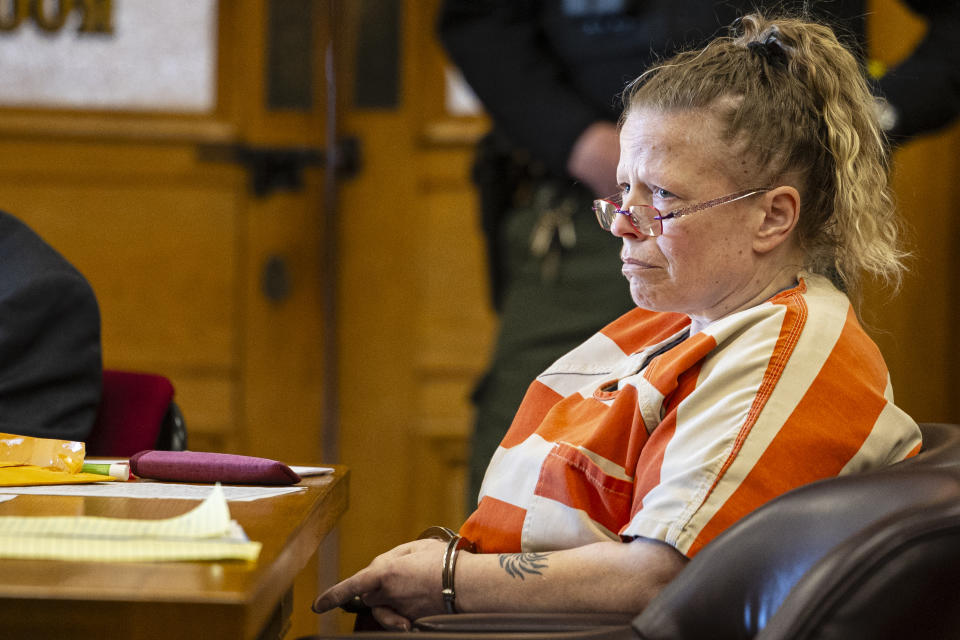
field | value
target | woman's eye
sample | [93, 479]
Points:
[662, 194]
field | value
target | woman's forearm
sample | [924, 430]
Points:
[600, 577]
[405, 582]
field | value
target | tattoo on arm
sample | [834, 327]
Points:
[519, 565]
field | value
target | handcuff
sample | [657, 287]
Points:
[455, 543]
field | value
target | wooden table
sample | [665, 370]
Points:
[196, 600]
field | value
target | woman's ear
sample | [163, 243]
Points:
[781, 209]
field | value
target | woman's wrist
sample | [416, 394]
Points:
[454, 543]
[448, 583]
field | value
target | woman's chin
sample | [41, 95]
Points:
[645, 297]
[642, 299]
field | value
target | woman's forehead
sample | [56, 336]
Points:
[668, 137]
[689, 127]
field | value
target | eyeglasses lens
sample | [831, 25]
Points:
[606, 212]
[641, 217]
[644, 220]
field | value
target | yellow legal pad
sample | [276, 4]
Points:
[204, 533]
[13, 474]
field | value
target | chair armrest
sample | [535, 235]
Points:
[520, 622]
[597, 633]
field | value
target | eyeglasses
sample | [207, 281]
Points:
[648, 220]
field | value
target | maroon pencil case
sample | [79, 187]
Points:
[201, 466]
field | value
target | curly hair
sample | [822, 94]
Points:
[794, 99]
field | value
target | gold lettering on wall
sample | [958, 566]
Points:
[97, 16]
[13, 13]
[51, 15]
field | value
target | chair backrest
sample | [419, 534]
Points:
[896, 579]
[136, 412]
[738, 584]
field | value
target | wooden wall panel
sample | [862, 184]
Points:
[414, 318]
[159, 245]
[455, 325]
[916, 328]
[378, 299]
[455, 319]
[281, 343]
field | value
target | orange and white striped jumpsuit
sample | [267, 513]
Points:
[647, 431]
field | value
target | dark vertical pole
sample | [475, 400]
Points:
[331, 374]
[328, 555]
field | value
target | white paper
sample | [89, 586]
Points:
[311, 471]
[205, 532]
[145, 489]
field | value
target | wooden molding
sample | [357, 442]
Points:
[115, 126]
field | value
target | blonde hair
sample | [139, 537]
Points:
[801, 108]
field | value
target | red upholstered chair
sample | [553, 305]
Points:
[136, 412]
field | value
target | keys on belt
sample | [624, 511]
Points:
[553, 232]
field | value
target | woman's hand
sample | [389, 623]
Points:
[399, 586]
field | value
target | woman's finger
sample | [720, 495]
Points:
[345, 591]
[390, 619]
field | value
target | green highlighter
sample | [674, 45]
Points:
[118, 470]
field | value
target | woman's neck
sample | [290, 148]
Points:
[764, 289]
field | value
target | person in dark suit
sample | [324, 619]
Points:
[50, 362]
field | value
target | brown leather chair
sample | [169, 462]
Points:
[873, 555]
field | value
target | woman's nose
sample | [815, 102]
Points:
[621, 227]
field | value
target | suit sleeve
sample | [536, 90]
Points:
[498, 48]
[925, 88]
[50, 360]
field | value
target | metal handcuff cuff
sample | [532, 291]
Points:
[455, 543]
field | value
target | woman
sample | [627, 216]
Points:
[753, 193]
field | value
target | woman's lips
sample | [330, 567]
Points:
[632, 264]
[633, 268]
